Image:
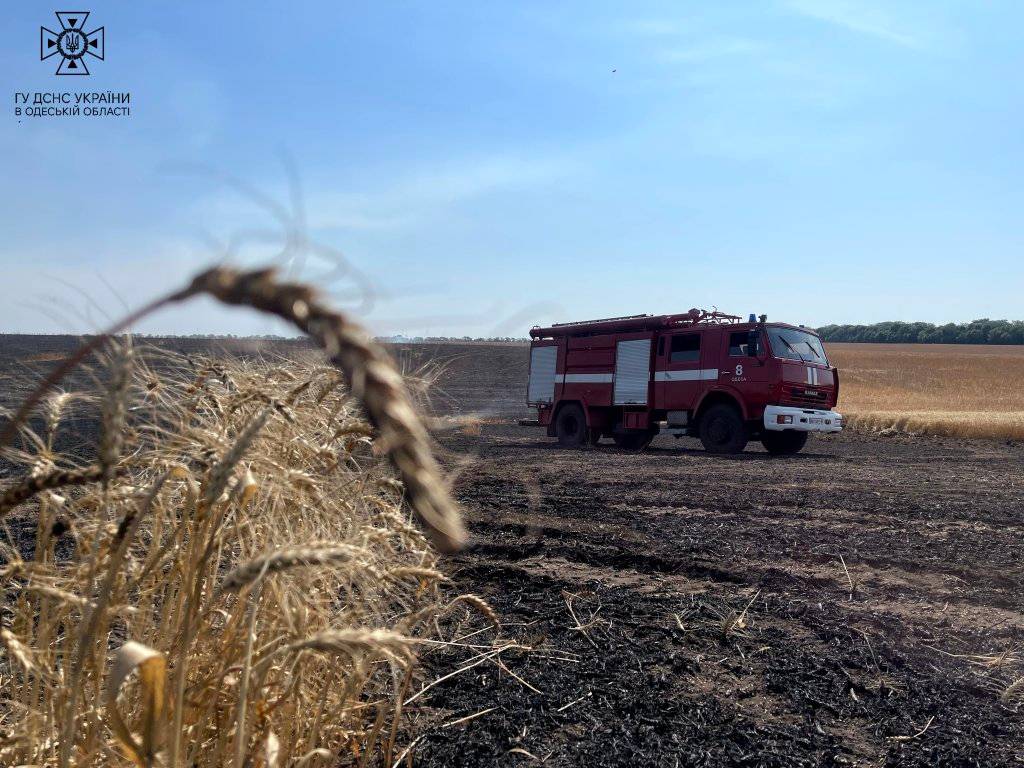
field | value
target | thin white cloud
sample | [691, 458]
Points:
[429, 191]
[655, 27]
[860, 17]
[408, 200]
[708, 50]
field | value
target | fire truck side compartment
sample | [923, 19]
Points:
[541, 388]
[632, 372]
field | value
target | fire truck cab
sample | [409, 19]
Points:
[701, 374]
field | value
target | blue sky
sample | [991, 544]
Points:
[484, 167]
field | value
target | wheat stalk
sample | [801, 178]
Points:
[284, 559]
[28, 487]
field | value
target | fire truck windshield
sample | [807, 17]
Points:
[791, 344]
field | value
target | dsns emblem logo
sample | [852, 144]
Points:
[71, 43]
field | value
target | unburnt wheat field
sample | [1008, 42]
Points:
[247, 577]
[933, 389]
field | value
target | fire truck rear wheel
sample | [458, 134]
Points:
[784, 443]
[571, 426]
[722, 430]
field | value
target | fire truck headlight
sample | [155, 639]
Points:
[780, 419]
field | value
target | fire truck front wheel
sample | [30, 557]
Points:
[571, 426]
[722, 430]
[784, 443]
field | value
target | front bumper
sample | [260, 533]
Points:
[801, 419]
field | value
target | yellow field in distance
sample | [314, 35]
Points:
[956, 390]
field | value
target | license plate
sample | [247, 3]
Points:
[814, 420]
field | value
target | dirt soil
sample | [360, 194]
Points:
[858, 604]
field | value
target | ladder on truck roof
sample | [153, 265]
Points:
[628, 323]
[599, 320]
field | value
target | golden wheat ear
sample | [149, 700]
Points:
[373, 380]
[372, 376]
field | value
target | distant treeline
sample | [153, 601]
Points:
[983, 331]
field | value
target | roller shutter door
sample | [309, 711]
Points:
[542, 375]
[632, 372]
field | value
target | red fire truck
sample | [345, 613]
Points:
[702, 374]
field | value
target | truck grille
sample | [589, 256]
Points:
[806, 395]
